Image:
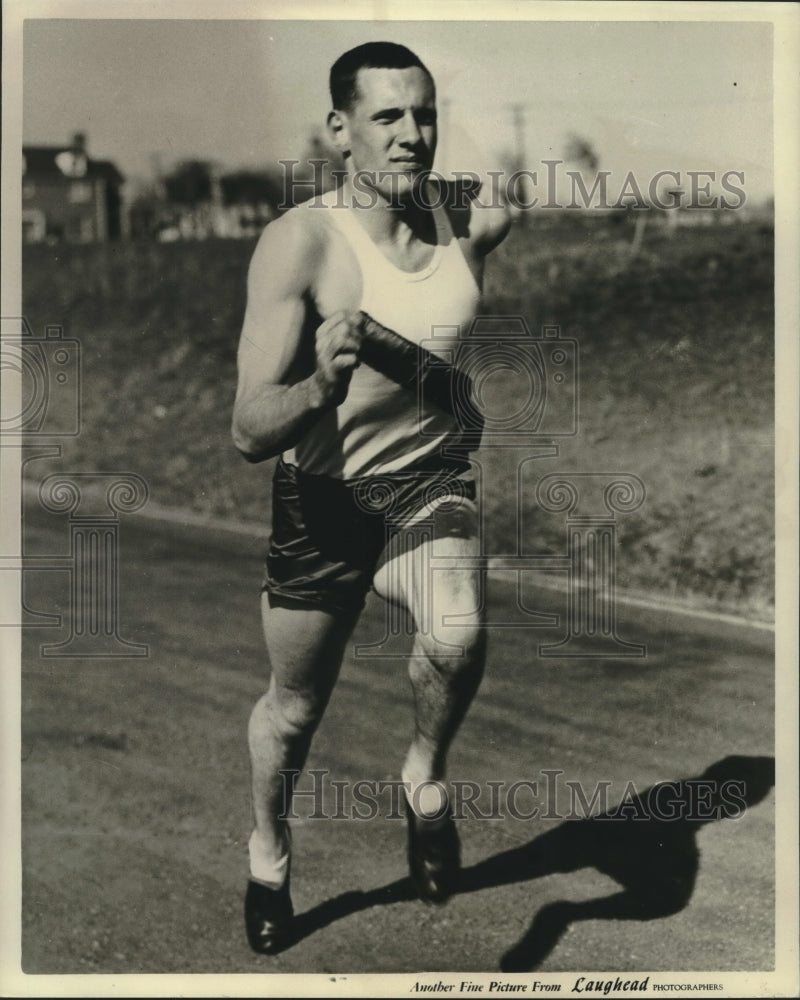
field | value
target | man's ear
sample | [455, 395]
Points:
[339, 132]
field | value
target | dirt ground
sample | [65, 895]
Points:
[136, 801]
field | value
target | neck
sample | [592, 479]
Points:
[388, 219]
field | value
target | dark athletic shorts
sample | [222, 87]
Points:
[328, 534]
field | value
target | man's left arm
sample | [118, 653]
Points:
[479, 212]
[491, 215]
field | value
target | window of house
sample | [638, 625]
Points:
[80, 192]
[34, 225]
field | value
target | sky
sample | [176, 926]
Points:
[649, 96]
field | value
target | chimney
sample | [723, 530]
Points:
[79, 143]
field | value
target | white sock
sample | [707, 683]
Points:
[428, 798]
[264, 867]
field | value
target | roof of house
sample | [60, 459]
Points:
[64, 161]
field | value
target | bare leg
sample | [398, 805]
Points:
[305, 649]
[443, 691]
[447, 659]
[445, 670]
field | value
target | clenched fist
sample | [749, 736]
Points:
[338, 340]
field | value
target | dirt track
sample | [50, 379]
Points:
[136, 810]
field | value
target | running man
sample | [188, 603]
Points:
[341, 290]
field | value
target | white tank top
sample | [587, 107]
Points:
[381, 426]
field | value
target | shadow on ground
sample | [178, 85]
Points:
[647, 844]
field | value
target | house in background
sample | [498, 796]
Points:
[66, 195]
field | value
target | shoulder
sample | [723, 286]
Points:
[477, 211]
[291, 249]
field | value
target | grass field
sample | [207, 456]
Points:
[675, 385]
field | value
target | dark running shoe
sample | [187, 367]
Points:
[268, 917]
[434, 857]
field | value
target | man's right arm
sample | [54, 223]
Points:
[276, 404]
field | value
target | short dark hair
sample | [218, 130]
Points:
[370, 55]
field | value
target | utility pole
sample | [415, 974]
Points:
[157, 170]
[518, 123]
[520, 153]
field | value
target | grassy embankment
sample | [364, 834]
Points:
[675, 386]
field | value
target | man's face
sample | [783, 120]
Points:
[391, 128]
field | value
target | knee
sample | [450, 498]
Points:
[290, 716]
[458, 651]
